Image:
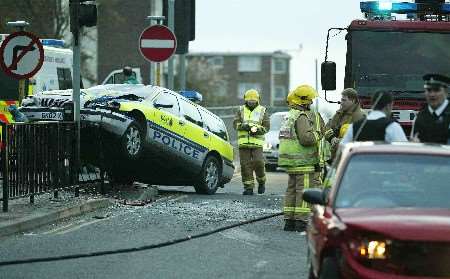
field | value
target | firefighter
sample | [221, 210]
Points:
[300, 137]
[349, 112]
[432, 124]
[251, 123]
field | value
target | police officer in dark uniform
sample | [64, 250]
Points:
[432, 124]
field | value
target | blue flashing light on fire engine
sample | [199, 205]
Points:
[383, 7]
[52, 42]
[194, 96]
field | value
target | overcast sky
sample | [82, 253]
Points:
[267, 25]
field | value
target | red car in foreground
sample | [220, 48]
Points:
[387, 214]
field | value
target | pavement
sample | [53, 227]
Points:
[46, 209]
[257, 250]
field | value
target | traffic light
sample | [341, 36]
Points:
[82, 14]
[184, 23]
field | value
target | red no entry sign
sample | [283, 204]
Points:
[157, 43]
[21, 55]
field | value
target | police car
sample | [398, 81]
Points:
[149, 134]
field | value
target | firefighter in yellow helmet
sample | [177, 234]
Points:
[251, 123]
[300, 137]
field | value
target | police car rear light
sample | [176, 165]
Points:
[194, 96]
[52, 42]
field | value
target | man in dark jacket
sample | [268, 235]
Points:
[432, 124]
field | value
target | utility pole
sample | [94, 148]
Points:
[171, 23]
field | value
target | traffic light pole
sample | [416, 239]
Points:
[182, 73]
[171, 23]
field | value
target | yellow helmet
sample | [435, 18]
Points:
[251, 95]
[302, 95]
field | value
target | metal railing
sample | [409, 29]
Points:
[37, 158]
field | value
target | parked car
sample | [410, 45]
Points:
[386, 215]
[271, 144]
[149, 134]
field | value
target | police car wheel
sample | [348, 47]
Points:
[133, 141]
[210, 177]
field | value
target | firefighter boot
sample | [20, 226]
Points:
[300, 225]
[261, 188]
[248, 192]
[289, 225]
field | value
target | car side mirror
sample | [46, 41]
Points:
[314, 196]
[156, 105]
[328, 75]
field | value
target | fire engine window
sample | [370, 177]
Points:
[64, 78]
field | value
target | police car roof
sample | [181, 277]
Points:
[397, 147]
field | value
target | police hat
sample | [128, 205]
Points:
[436, 80]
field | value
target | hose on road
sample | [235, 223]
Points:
[137, 249]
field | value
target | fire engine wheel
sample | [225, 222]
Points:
[329, 268]
[133, 140]
[209, 177]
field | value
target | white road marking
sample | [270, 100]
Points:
[261, 264]
[243, 236]
[147, 43]
[80, 226]
[57, 229]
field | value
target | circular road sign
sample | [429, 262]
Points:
[21, 55]
[157, 43]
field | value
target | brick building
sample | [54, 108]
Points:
[267, 72]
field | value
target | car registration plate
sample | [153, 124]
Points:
[52, 115]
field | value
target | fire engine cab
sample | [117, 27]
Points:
[391, 49]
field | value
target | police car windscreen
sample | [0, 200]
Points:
[276, 121]
[395, 181]
[397, 60]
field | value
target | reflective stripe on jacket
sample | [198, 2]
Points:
[252, 118]
[292, 155]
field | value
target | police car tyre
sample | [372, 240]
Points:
[329, 269]
[210, 176]
[132, 141]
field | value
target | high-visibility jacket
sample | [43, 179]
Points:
[252, 118]
[292, 155]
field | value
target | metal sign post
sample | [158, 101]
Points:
[171, 22]
[157, 43]
[152, 66]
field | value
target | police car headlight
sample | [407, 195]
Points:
[267, 146]
[27, 102]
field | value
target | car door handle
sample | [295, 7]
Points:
[181, 122]
[205, 134]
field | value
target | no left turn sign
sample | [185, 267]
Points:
[21, 55]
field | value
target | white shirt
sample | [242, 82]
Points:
[394, 131]
[440, 109]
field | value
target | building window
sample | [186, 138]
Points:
[216, 61]
[280, 92]
[249, 64]
[279, 66]
[244, 86]
[222, 89]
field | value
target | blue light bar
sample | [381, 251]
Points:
[194, 96]
[52, 42]
[374, 7]
[446, 8]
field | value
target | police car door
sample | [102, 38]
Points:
[195, 134]
[166, 129]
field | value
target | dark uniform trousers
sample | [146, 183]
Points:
[294, 206]
[252, 160]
